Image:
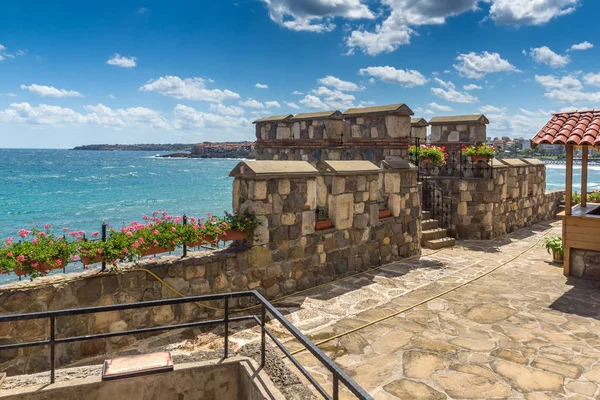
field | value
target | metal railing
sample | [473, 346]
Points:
[434, 201]
[339, 376]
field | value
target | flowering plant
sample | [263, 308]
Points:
[480, 150]
[428, 153]
[42, 252]
[245, 222]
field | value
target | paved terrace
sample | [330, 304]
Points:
[523, 331]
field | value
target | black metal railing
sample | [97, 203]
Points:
[457, 164]
[434, 201]
[339, 376]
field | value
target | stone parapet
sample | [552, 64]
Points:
[459, 129]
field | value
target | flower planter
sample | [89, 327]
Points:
[156, 250]
[233, 235]
[557, 257]
[479, 158]
[322, 225]
[87, 260]
[19, 272]
[385, 213]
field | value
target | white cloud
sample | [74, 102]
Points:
[292, 105]
[188, 88]
[298, 93]
[314, 15]
[226, 110]
[544, 55]
[272, 104]
[565, 83]
[451, 94]
[473, 65]
[50, 91]
[4, 54]
[592, 79]
[397, 28]
[387, 74]
[339, 84]
[492, 109]
[122, 61]
[334, 98]
[44, 114]
[261, 86]
[529, 12]
[582, 46]
[440, 107]
[537, 113]
[186, 118]
[428, 111]
[143, 10]
[111, 96]
[250, 102]
[573, 96]
[313, 102]
[472, 86]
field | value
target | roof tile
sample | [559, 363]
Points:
[577, 127]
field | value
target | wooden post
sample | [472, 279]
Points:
[584, 175]
[569, 185]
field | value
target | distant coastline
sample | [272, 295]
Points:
[138, 147]
[184, 150]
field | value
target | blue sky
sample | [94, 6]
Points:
[75, 73]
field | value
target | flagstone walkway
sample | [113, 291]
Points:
[523, 331]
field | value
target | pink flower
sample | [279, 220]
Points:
[155, 232]
[174, 229]
[35, 265]
[99, 251]
[23, 233]
[59, 262]
[154, 212]
[9, 254]
[75, 258]
[141, 240]
[123, 229]
[155, 241]
[20, 258]
[129, 234]
[125, 251]
[246, 219]
[52, 241]
[41, 234]
[65, 229]
[114, 262]
[34, 241]
[95, 234]
[9, 240]
[193, 220]
[74, 233]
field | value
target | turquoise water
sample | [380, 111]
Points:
[83, 189]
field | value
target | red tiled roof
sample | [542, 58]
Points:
[578, 128]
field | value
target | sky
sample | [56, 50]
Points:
[74, 73]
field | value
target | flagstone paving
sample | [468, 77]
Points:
[523, 331]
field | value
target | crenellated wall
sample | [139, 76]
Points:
[515, 197]
[284, 255]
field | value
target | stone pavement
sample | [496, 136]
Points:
[524, 331]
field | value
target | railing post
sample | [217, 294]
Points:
[104, 240]
[336, 387]
[263, 315]
[226, 320]
[52, 349]
[184, 245]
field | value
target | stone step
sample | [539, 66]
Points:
[428, 224]
[432, 234]
[437, 244]
[426, 215]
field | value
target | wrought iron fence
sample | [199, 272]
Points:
[339, 376]
[434, 201]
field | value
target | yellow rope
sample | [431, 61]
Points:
[419, 303]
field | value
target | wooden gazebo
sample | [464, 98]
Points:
[581, 223]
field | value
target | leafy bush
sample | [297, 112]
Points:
[429, 153]
[554, 245]
[483, 149]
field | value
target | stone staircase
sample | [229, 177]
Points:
[434, 237]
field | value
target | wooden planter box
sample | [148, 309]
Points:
[156, 250]
[479, 158]
[322, 225]
[87, 260]
[233, 235]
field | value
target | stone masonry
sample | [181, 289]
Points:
[459, 129]
[284, 255]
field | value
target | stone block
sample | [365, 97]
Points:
[338, 185]
[261, 232]
[392, 182]
[395, 204]
[259, 257]
[341, 210]
[284, 132]
[235, 196]
[355, 131]
[283, 186]
[436, 133]
[308, 222]
[321, 191]
[454, 136]
[288, 219]
[257, 190]
[462, 208]
[373, 185]
[359, 208]
[311, 194]
[296, 130]
[397, 126]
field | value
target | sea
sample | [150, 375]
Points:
[81, 190]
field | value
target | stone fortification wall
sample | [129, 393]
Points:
[514, 198]
[371, 133]
[285, 255]
[459, 129]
